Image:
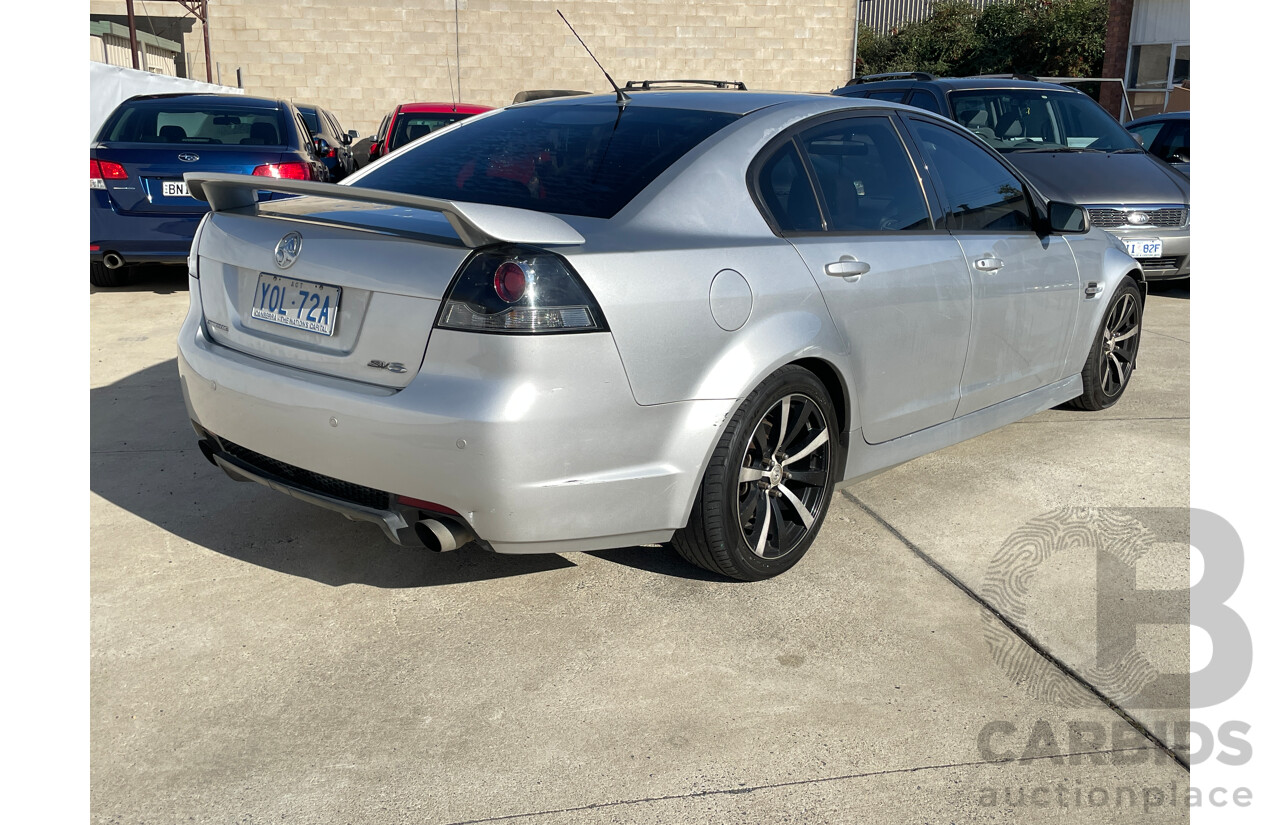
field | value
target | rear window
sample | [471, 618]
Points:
[412, 125]
[190, 123]
[564, 159]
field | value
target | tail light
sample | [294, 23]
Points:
[293, 170]
[520, 290]
[104, 169]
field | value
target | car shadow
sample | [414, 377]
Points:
[161, 279]
[144, 459]
[1180, 288]
[661, 560]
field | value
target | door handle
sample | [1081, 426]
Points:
[988, 264]
[848, 269]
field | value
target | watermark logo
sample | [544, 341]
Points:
[1119, 540]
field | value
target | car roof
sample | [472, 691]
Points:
[1161, 117]
[960, 84]
[735, 102]
[462, 108]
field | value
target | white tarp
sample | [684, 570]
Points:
[109, 86]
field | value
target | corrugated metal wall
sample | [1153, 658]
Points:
[883, 15]
[1159, 21]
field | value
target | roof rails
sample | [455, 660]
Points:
[1009, 76]
[645, 85]
[872, 78]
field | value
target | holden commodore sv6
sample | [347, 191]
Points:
[678, 317]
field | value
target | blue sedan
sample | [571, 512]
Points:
[139, 208]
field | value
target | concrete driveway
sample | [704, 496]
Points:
[257, 660]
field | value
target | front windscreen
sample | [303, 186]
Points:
[1020, 120]
[190, 123]
[588, 160]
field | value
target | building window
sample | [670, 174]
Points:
[1155, 69]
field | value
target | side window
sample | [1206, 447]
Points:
[1147, 132]
[1175, 142]
[893, 95]
[924, 100]
[981, 194]
[865, 177]
[785, 190]
[303, 132]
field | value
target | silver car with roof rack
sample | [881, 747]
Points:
[601, 321]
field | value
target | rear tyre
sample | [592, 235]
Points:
[769, 483]
[99, 275]
[1115, 351]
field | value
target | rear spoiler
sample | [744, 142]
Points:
[477, 224]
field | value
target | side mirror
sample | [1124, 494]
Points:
[346, 139]
[322, 147]
[1138, 138]
[353, 134]
[374, 150]
[1067, 218]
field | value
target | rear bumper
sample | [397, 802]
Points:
[537, 442]
[139, 238]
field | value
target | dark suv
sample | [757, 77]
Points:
[332, 144]
[1070, 148]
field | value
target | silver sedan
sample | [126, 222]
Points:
[685, 317]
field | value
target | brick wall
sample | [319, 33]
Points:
[360, 59]
[1115, 52]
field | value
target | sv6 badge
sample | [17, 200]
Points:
[394, 366]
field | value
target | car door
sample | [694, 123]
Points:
[1026, 287]
[341, 143]
[845, 192]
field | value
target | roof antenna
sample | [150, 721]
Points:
[623, 98]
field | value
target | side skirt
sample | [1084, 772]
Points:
[865, 460]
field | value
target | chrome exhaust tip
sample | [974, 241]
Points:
[112, 260]
[442, 536]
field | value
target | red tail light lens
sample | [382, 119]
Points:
[509, 282]
[106, 169]
[290, 171]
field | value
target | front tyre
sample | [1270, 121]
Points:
[769, 483]
[1115, 350]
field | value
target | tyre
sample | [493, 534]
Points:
[1114, 353]
[99, 275]
[768, 485]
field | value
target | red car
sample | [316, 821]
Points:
[411, 121]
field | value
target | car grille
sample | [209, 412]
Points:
[309, 481]
[1164, 218]
[1160, 263]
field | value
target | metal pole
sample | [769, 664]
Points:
[853, 75]
[204, 23]
[133, 32]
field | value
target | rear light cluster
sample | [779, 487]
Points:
[101, 171]
[520, 290]
[293, 170]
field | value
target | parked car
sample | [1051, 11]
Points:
[331, 143]
[1167, 136]
[1070, 148]
[704, 312]
[140, 210]
[366, 146]
[410, 121]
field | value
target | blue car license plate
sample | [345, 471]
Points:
[298, 304]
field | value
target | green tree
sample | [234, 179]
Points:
[1052, 38]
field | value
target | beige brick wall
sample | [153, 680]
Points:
[360, 59]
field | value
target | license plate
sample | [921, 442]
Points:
[174, 189]
[298, 304]
[1144, 248]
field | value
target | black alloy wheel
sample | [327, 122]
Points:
[769, 483]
